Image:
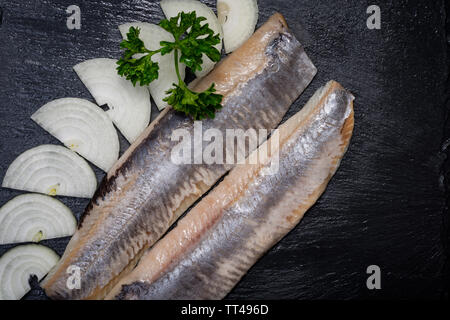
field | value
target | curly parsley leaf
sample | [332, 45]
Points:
[198, 105]
[191, 38]
[136, 64]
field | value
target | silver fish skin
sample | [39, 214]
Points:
[217, 242]
[145, 192]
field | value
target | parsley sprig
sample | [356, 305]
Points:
[192, 40]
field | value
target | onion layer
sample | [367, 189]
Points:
[129, 106]
[152, 35]
[83, 127]
[51, 170]
[33, 218]
[238, 19]
[18, 264]
[171, 8]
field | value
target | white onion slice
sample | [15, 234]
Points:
[33, 218]
[171, 8]
[238, 19]
[152, 35]
[83, 127]
[129, 106]
[51, 170]
[18, 264]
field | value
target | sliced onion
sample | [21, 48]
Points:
[51, 170]
[238, 19]
[152, 35]
[171, 8]
[129, 106]
[82, 127]
[33, 218]
[18, 264]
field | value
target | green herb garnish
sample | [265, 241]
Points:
[192, 40]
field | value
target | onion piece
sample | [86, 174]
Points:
[129, 106]
[33, 218]
[83, 127]
[18, 264]
[152, 35]
[238, 19]
[51, 170]
[171, 8]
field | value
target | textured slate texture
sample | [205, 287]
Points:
[384, 207]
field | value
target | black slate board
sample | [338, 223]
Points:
[385, 206]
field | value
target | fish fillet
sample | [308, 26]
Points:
[209, 251]
[146, 192]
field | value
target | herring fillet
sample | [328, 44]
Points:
[209, 251]
[145, 192]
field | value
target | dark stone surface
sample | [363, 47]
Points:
[385, 206]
